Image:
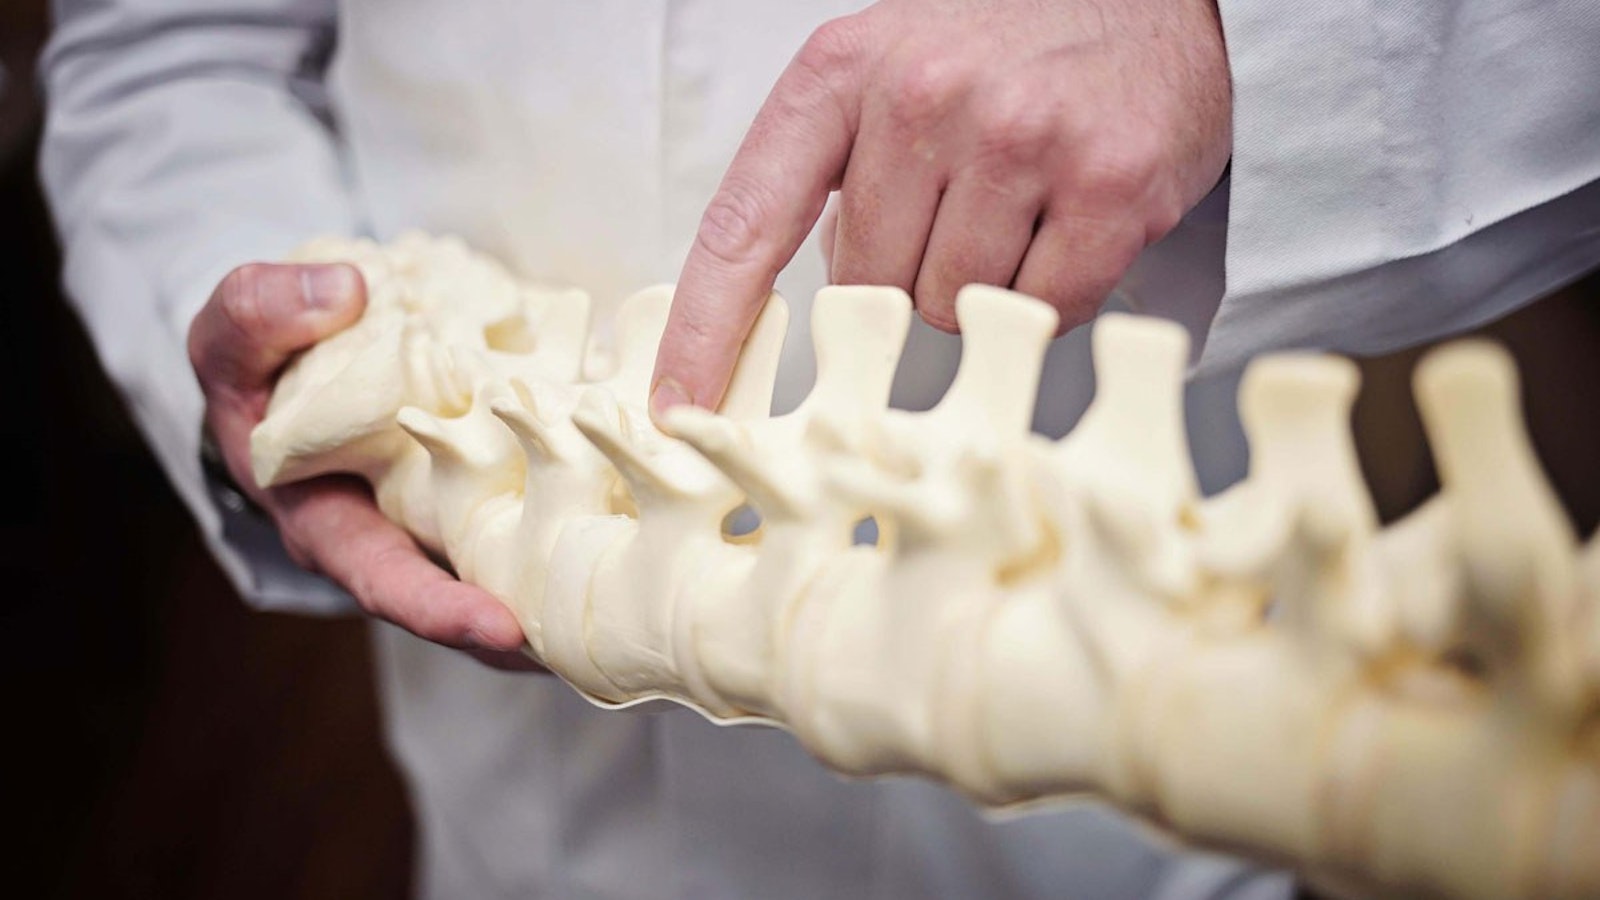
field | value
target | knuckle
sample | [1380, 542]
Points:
[234, 312]
[240, 278]
[240, 300]
[833, 47]
[1119, 172]
[922, 89]
[731, 229]
[1160, 222]
[1016, 129]
[694, 329]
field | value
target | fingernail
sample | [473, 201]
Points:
[328, 287]
[667, 394]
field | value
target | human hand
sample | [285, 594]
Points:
[259, 317]
[1040, 144]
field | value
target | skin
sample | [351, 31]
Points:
[1040, 144]
[258, 317]
[1036, 144]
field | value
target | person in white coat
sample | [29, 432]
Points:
[1394, 174]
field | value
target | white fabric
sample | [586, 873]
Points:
[1400, 170]
[1405, 170]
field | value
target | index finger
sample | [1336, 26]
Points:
[774, 191]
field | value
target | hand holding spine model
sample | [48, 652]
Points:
[1419, 714]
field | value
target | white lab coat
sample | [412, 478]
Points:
[1400, 171]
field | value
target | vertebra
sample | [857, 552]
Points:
[1404, 710]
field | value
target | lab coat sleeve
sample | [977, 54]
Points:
[182, 138]
[1401, 170]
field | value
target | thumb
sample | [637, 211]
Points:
[261, 314]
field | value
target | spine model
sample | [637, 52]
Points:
[1407, 711]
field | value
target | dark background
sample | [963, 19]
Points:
[160, 741]
[163, 742]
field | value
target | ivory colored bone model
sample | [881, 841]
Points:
[1420, 713]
